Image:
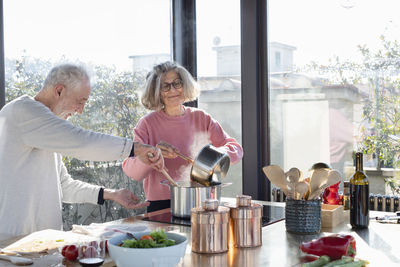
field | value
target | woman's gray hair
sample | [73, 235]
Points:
[151, 98]
[68, 75]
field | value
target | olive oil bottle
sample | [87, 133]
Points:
[359, 196]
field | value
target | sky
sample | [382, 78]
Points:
[108, 32]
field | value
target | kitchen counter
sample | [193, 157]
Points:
[378, 244]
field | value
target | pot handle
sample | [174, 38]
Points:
[226, 184]
[166, 183]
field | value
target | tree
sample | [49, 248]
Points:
[113, 108]
[381, 119]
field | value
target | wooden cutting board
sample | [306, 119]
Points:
[47, 240]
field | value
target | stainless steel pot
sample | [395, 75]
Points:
[188, 195]
[210, 166]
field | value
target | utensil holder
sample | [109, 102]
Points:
[303, 216]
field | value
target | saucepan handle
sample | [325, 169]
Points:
[226, 184]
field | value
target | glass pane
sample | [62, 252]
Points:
[218, 57]
[334, 85]
[118, 41]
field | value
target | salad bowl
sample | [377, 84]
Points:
[146, 257]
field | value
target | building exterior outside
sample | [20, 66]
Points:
[310, 120]
[142, 63]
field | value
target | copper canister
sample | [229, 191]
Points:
[210, 227]
[246, 223]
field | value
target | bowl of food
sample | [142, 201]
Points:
[147, 249]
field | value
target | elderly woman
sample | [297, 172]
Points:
[174, 127]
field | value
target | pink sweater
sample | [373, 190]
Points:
[189, 133]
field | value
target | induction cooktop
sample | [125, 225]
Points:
[271, 214]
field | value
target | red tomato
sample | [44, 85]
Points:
[146, 237]
[91, 252]
[64, 249]
[71, 252]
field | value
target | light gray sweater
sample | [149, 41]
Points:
[33, 179]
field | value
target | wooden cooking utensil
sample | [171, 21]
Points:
[185, 157]
[292, 178]
[276, 175]
[318, 178]
[333, 178]
[163, 171]
[16, 260]
[169, 177]
[302, 189]
[180, 154]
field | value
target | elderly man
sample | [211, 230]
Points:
[33, 134]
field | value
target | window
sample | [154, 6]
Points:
[118, 41]
[218, 57]
[336, 90]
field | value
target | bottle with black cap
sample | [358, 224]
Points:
[359, 196]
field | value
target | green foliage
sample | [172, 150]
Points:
[378, 70]
[113, 108]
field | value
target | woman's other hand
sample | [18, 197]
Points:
[168, 151]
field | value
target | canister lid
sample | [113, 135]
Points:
[211, 204]
[210, 213]
[243, 200]
[254, 210]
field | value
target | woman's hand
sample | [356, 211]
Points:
[125, 197]
[156, 161]
[168, 151]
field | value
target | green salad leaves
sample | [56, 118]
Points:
[156, 239]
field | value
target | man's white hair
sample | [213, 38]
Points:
[68, 75]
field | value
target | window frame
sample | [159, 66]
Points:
[254, 91]
[255, 98]
[2, 59]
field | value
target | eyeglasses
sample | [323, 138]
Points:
[177, 84]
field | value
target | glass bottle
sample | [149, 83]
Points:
[359, 196]
[346, 195]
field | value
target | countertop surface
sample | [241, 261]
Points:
[378, 244]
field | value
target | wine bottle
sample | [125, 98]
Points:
[359, 196]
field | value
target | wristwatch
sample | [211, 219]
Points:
[100, 199]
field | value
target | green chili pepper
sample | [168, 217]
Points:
[343, 260]
[352, 264]
[317, 263]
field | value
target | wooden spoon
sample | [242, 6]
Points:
[318, 178]
[276, 175]
[163, 171]
[18, 253]
[333, 178]
[292, 178]
[302, 188]
[16, 260]
[185, 157]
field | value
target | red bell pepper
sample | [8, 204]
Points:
[335, 246]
